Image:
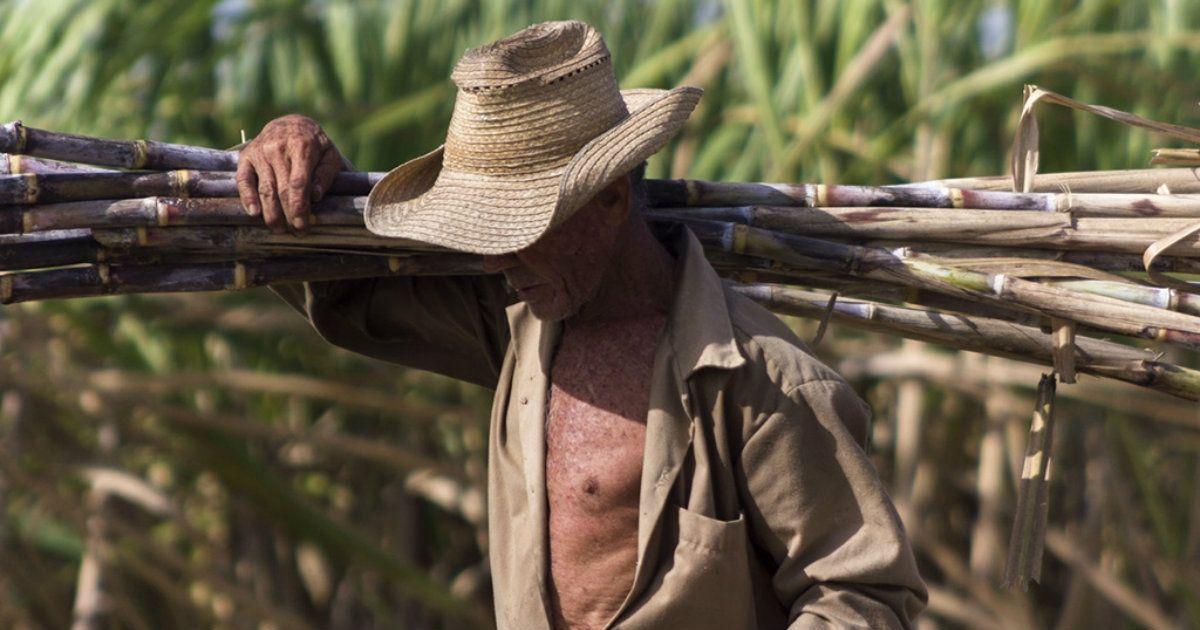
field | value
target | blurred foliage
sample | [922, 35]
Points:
[208, 461]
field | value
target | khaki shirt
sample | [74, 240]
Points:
[759, 508]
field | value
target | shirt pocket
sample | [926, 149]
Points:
[705, 583]
[708, 535]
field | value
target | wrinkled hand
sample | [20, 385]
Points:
[286, 169]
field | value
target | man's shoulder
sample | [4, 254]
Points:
[779, 365]
[768, 343]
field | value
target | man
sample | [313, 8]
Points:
[663, 452]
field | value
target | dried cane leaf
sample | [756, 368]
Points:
[1025, 547]
[1175, 157]
[1157, 249]
[1025, 145]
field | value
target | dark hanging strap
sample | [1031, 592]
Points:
[825, 319]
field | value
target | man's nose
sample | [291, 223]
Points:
[497, 264]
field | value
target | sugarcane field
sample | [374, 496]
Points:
[602, 314]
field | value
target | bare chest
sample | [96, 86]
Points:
[595, 439]
[596, 420]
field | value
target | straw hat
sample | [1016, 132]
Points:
[539, 126]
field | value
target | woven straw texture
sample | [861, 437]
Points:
[539, 126]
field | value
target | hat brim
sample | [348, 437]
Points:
[494, 214]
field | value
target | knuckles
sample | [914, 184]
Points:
[284, 138]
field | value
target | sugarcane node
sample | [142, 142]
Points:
[179, 182]
[12, 137]
[139, 154]
[150, 210]
[32, 190]
[739, 239]
[27, 223]
[998, 283]
[956, 197]
[692, 194]
[239, 276]
[19, 188]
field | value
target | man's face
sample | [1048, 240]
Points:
[562, 270]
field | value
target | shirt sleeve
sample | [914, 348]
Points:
[451, 325]
[817, 507]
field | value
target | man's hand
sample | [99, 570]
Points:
[286, 169]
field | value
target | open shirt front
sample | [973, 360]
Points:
[758, 505]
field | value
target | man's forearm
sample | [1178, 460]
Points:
[451, 325]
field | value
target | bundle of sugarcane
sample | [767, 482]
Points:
[1042, 276]
[1072, 271]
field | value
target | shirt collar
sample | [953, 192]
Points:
[699, 327]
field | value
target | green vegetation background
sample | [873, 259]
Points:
[208, 461]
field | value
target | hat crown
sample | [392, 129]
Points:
[539, 126]
[527, 103]
[540, 53]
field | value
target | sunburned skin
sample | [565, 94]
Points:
[595, 438]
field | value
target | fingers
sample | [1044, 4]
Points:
[247, 185]
[327, 169]
[285, 170]
[268, 196]
[297, 200]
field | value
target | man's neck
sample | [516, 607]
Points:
[639, 282]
